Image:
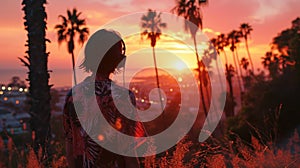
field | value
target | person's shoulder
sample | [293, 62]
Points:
[78, 89]
[123, 94]
[121, 89]
[69, 93]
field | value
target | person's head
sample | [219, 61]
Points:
[104, 51]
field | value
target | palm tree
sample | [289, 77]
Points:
[191, 11]
[248, 77]
[38, 75]
[233, 39]
[221, 43]
[286, 44]
[152, 25]
[67, 31]
[271, 61]
[245, 30]
[238, 59]
[230, 103]
[244, 63]
[214, 43]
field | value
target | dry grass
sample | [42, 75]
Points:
[217, 154]
[212, 153]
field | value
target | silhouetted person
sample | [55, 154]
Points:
[101, 59]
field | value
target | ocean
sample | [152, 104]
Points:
[62, 77]
[58, 77]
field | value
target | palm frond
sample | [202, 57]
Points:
[59, 26]
[65, 21]
[151, 22]
[163, 25]
[145, 32]
[80, 22]
[144, 18]
[69, 14]
[25, 63]
[83, 34]
[61, 38]
[78, 15]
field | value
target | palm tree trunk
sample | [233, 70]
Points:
[237, 73]
[231, 104]
[240, 69]
[252, 66]
[195, 130]
[226, 59]
[239, 64]
[39, 89]
[73, 67]
[210, 101]
[157, 79]
[229, 82]
[200, 78]
[231, 96]
[220, 80]
[227, 70]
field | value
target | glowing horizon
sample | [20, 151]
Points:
[266, 20]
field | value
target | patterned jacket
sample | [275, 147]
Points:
[82, 124]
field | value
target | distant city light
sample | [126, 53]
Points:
[33, 135]
[25, 90]
[3, 88]
[100, 137]
[5, 98]
[1, 92]
[17, 102]
[179, 79]
[9, 88]
[142, 100]
[21, 89]
[24, 126]
[118, 123]
[171, 90]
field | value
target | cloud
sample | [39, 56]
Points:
[210, 31]
[271, 8]
[164, 6]
[268, 17]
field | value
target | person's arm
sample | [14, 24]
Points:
[68, 134]
[69, 154]
[139, 132]
[132, 162]
[68, 130]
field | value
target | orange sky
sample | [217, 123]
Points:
[267, 17]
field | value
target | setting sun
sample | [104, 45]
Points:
[179, 66]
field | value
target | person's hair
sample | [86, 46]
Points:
[101, 51]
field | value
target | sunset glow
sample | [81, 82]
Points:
[140, 83]
[179, 66]
[218, 17]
